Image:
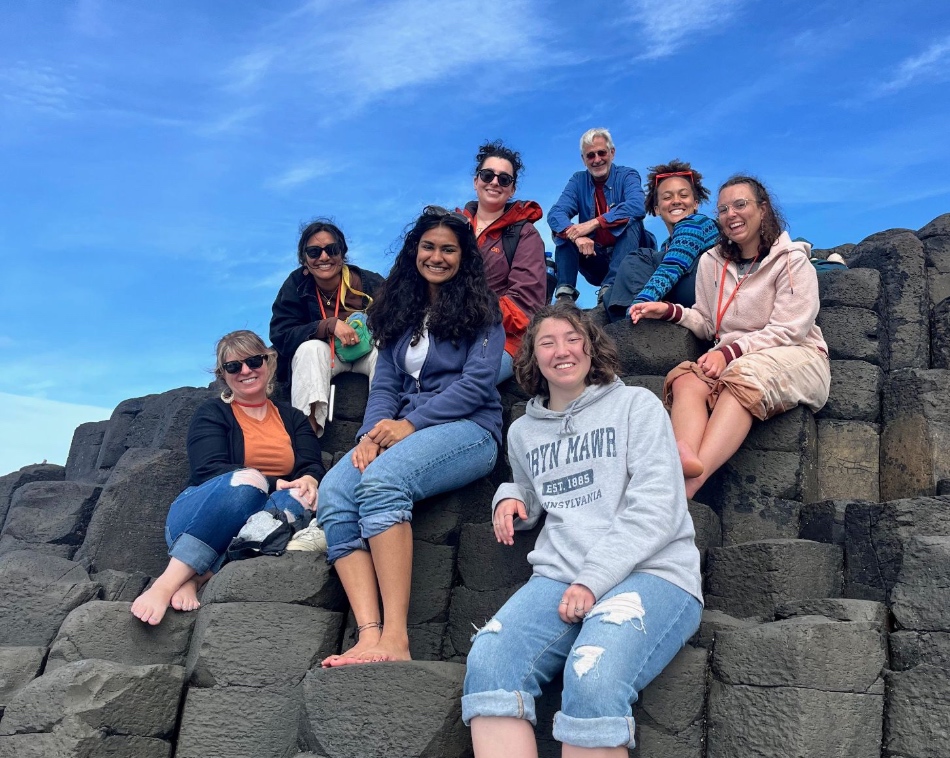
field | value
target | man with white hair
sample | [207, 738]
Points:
[608, 202]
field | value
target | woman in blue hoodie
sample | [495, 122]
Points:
[432, 423]
[616, 589]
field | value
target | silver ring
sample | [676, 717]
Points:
[578, 610]
[563, 602]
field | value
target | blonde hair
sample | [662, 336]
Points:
[243, 343]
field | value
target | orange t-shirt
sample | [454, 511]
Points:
[266, 442]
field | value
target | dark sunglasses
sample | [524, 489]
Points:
[252, 361]
[591, 154]
[487, 176]
[332, 250]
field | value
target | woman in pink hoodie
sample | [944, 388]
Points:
[757, 300]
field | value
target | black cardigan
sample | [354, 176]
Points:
[216, 443]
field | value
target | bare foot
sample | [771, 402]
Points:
[386, 649]
[368, 638]
[692, 465]
[151, 605]
[186, 596]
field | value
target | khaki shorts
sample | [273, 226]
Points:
[766, 383]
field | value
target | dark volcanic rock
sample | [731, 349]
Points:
[848, 460]
[653, 347]
[50, 514]
[18, 667]
[921, 597]
[851, 333]
[81, 465]
[918, 712]
[10, 483]
[855, 392]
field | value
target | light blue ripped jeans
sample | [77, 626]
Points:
[627, 638]
[204, 519]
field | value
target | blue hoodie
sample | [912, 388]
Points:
[607, 472]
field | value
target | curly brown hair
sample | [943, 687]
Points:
[675, 166]
[773, 220]
[604, 359]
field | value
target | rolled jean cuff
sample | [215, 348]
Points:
[518, 705]
[605, 731]
[378, 523]
[197, 554]
[335, 552]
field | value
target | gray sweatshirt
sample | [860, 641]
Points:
[608, 474]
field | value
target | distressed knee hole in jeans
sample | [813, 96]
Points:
[586, 658]
[627, 606]
[493, 626]
[249, 476]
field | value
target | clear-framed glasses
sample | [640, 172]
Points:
[737, 205]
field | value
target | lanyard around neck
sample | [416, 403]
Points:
[336, 315]
[720, 308]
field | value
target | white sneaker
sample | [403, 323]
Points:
[312, 539]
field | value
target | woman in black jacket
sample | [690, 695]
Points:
[246, 453]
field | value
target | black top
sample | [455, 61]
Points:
[216, 443]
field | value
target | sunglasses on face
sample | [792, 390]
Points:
[591, 154]
[737, 205]
[252, 361]
[487, 176]
[332, 250]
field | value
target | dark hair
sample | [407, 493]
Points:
[465, 305]
[773, 221]
[498, 149]
[695, 179]
[604, 360]
[314, 227]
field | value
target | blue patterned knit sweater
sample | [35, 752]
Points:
[691, 237]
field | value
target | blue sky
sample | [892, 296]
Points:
[156, 159]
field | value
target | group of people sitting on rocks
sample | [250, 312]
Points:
[616, 588]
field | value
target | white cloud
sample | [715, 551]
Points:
[40, 87]
[932, 64]
[33, 430]
[301, 174]
[669, 26]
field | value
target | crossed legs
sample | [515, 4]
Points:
[705, 441]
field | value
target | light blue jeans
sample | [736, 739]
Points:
[627, 638]
[203, 520]
[354, 506]
[506, 368]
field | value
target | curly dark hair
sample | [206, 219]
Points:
[604, 359]
[674, 166]
[314, 227]
[498, 149]
[464, 306]
[773, 220]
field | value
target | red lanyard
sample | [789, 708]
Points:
[720, 308]
[336, 315]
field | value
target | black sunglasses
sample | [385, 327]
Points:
[332, 250]
[252, 361]
[487, 175]
[591, 154]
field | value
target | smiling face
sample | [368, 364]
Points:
[563, 359]
[598, 157]
[492, 196]
[675, 200]
[438, 257]
[249, 385]
[741, 226]
[326, 270]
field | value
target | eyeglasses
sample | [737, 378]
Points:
[736, 205]
[591, 154]
[252, 361]
[332, 250]
[658, 177]
[488, 176]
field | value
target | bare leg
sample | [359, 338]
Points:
[503, 737]
[186, 596]
[358, 575]
[572, 751]
[313, 420]
[689, 416]
[392, 557]
[728, 426]
[151, 605]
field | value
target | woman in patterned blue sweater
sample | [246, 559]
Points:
[674, 193]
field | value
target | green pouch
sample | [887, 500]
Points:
[350, 353]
